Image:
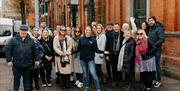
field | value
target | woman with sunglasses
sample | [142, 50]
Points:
[63, 60]
[146, 66]
[76, 58]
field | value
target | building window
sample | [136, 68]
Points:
[140, 7]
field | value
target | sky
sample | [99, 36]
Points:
[0, 3]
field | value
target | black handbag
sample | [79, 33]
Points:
[145, 57]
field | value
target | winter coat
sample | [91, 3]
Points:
[156, 35]
[59, 68]
[129, 56]
[101, 41]
[49, 51]
[21, 52]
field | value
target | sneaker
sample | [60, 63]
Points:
[80, 85]
[147, 89]
[49, 85]
[37, 87]
[77, 82]
[44, 85]
[86, 88]
[157, 84]
[154, 82]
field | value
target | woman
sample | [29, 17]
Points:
[34, 73]
[126, 58]
[146, 66]
[63, 64]
[99, 58]
[47, 59]
[76, 58]
[87, 47]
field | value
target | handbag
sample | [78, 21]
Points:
[145, 57]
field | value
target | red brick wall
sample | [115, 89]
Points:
[168, 12]
[177, 15]
[170, 57]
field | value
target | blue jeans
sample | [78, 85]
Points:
[89, 67]
[158, 66]
[24, 72]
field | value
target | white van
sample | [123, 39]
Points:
[6, 32]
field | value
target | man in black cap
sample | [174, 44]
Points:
[19, 53]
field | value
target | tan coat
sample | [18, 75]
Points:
[57, 48]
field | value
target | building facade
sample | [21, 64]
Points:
[79, 13]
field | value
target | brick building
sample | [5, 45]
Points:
[80, 12]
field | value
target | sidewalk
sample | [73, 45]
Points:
[6, 82]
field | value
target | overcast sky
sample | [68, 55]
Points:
[0, 3]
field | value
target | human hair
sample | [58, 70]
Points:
[153, 17]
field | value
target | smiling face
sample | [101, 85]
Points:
[88, 31]
[116, 28]
[77, 32]
[99, 29]
[151, 22]
[127, 34]
[45, 34]
[63, 31]
[143, 26]
[140, 34]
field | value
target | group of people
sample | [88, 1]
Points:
[115, 53]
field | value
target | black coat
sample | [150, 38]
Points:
[129, 56]
[48, 50]
[110, 42]
[20, 52]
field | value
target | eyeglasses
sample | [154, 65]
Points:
[139, 33]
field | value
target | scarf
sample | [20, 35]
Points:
[121, 56]
[116, 41]
[141, 48]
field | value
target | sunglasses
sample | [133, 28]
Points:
[63, 30]
[139, 33]
[77, 31]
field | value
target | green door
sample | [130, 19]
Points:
[140, 11]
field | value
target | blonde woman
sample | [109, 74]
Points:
[63, 64]
[147, 67]
[87, 47]
[99, 58]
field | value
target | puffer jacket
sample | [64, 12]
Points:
[21, 52]
[156, 35]
[129, 56]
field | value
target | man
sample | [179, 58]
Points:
[156, 37]
[44, 26]
[113, 47]
[69, 31]
[108, 32]
[19, 54]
